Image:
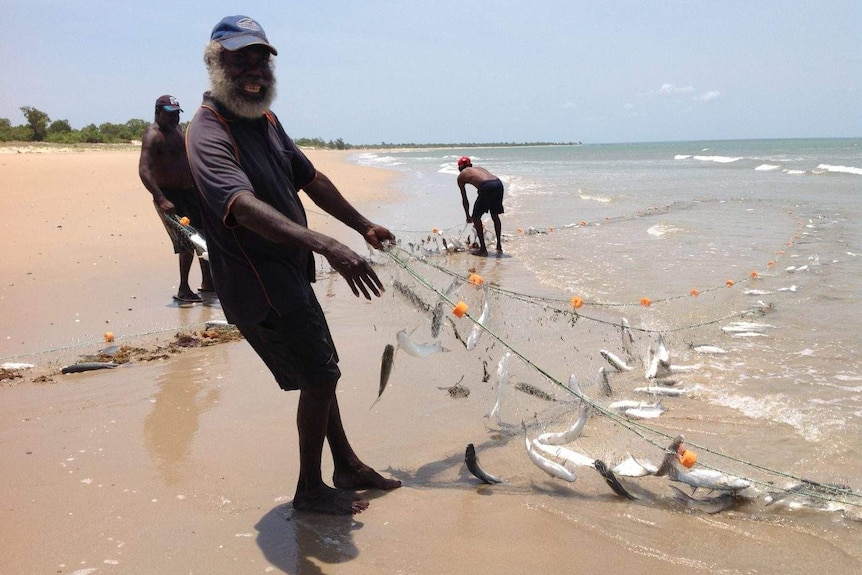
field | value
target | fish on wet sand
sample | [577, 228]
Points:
[632, 467]
[417, 349]
[473, 338]
[572, 433]
[669, 391]
[611, 480]
[502, 384]
[709, 505]
[706, 348]
[385, 369]
[88, 366]
[617, 363]
[472, 462]
[550, 467]
[530, 389]
[638, 409]
[705, 478]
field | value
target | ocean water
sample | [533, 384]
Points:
[751, 246]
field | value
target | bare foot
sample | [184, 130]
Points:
[329, 501]
[363, 478]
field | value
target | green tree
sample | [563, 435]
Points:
[38, 122]
[136, 128]
[59, 127]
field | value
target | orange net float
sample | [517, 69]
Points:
[109, 336]
[695, 292]
[185, 220]
[687, 458]
[646, 302]
[729, 283]
[476, 279]
[577, 302]
[754, 275]
[460, 309]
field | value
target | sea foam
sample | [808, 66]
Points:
[840, 169]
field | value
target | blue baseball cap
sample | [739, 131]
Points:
[168, 103]
[237, 32]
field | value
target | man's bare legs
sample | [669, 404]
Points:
[185, 291]
[206, 276]
[318, 418]
[498, 229]
[480, 232]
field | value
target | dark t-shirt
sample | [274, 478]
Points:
[232, 155]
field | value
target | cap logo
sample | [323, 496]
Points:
[248, 24]
[174, 101]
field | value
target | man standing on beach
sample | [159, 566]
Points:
[490, 199]
[164, 170]
[248, 173]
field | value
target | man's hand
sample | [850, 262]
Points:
[166, 206]
[378, 234]
[353, 267]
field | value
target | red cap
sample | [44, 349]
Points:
[464, 161]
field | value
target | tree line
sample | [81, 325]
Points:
[40, 128]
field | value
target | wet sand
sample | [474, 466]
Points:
[187, 464]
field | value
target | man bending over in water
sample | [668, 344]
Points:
[490, 199]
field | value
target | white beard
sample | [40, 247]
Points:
[228, 92]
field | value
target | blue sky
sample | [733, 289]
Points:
[468, 71]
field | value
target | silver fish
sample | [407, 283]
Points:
[572, 433]
[710, 505]
[473, 338]
[645, 412]
[15, 366]
[385, 369]
[550, 467]
[746, 326]
[631, 467]
[472, 463]
[617, 363]
[706, 478]
[669, 391]
[563, 454]
[625, 404]
[502, 384]
[417, 349]
[703, 348]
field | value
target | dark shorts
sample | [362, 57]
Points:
[297, 347]
[186, 204]
[490, 198]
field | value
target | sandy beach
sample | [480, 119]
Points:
[187, 464]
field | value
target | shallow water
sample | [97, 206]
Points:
[712, 234]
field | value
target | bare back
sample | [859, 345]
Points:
[475, 176]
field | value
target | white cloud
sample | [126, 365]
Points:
[669, 90]
[711, 95]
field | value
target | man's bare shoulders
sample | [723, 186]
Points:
[475, 176]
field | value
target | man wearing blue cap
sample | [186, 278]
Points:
[248, 173]
[164, 171]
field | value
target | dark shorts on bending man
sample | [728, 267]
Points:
[296, 346]
[186, 204]
[490, 198]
